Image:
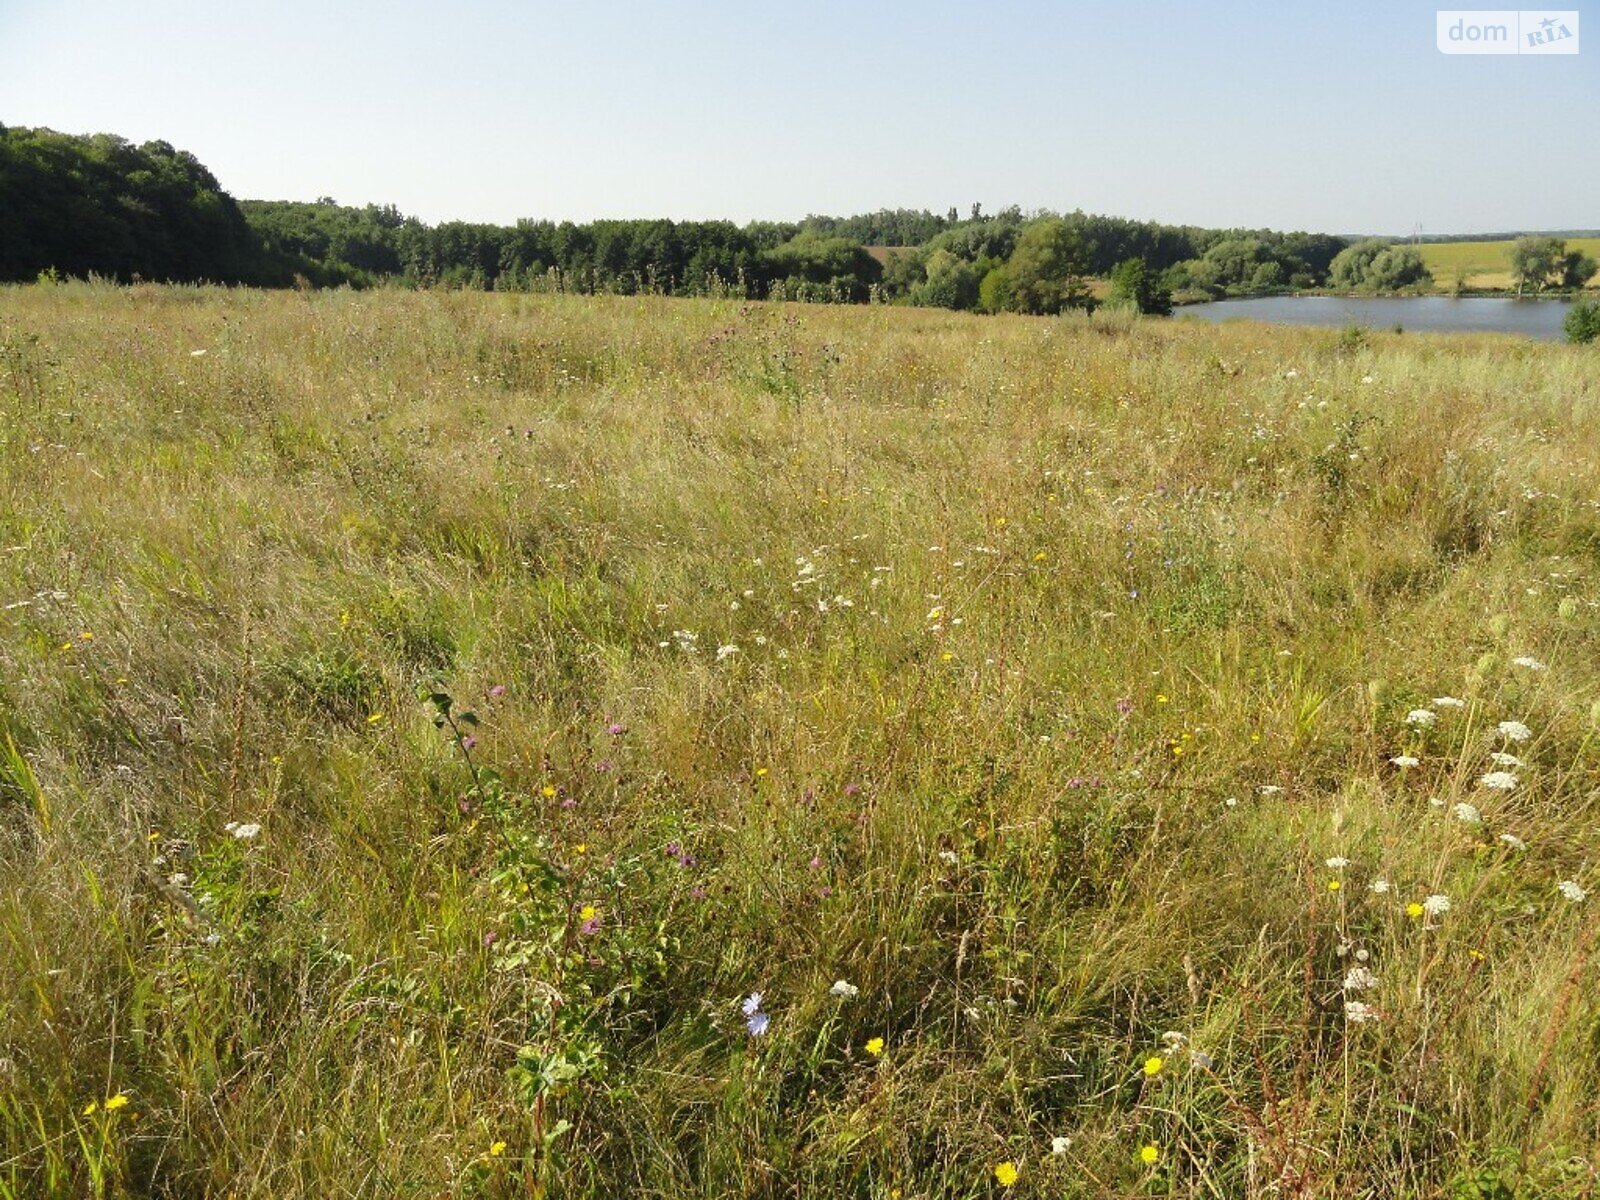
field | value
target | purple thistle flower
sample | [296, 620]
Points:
[616, 730]
[468, 742]
[498, 690]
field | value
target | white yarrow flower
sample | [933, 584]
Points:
[1513, 841]
[1572, 891]
[1360, 979]
[1338, 863]
[1468, 814]
[1405, 760]
[245, 832]
[1436, 905]
[1514, 731]
[1059, 1145]
[1422, 718]
[1358, 1013]
[726, 652]
[1500, 781]
[843, 989]
[1379, 887]
[1501, 759]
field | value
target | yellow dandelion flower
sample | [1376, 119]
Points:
[1006, 1174]
[115, 1102]
[874, 1046]
[1153, 1064]
[86, 636]
[1414, 910]
[1150, 1155]
[588, 912]
[91, 1108]
[496, 1150]
[581, 848]
[1161, 698]
[1040, 557]
[999, 520]
[374, 718]
[946, 656]
[1334, 885]
[547, 791]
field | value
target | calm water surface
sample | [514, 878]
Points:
[1434, 314]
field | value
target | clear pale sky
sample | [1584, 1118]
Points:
[1339, 117]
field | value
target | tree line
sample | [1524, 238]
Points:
[81, 205]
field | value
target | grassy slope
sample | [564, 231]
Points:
[1067, 655]
[1483, 264]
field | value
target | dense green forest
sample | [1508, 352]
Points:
[76, 205]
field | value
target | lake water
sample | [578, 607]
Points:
[1433, 314]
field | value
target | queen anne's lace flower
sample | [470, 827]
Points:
[1500, 781]
[1572, 891]
[1514, 731]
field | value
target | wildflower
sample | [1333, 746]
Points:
[1572, 891]
[616, 730]
[1173, 1040]
[843, 989]
[1436, 905]
[726, 652]
[1059, 1145]
[757, 1023]
[1502, 759]
[375, 718]
[588, 919]
[1513, 841]
[1500, 781]
[1379, 887]
[1337, 863]
[1358, 1013]
[949, 857]
[1435, 802]
[1006, 1174]
[1414, 910]
[1405, 760]
[1468, 814]
[874, 1046]
[1360, 979]
[245, 832]
[496, 1150]
[496, 692]
[1150, 1155]
[1514, 731]
[91, 1108]
[1334, 885]
[1448, 702]
[1269, 789]
[1422, 718]
[1528, 662]
[1153, 1065]
[120, 1100]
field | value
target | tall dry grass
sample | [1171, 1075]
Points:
[1022, 675]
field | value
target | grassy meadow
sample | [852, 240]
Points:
[468, 745]
[1483, 264]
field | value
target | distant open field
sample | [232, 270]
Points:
[1483, 264]
[478, 745]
